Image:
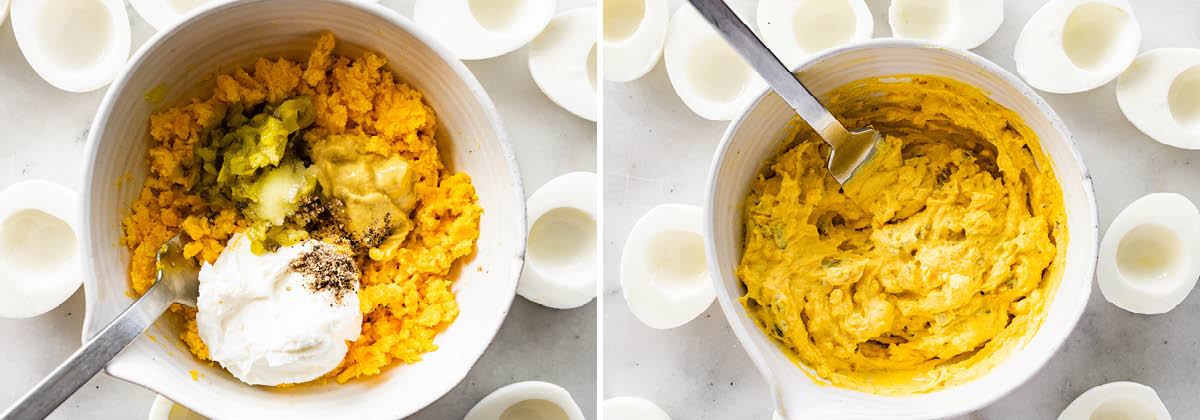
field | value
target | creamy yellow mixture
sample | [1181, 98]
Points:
[943, 271]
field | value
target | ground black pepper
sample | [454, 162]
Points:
[324, 219]
[329, 269]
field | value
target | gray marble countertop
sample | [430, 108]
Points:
[656, 151]
[43, 136]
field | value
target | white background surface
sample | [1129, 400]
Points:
[657, 151]
[43, 133]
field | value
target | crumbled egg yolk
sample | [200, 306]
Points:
[406, 299]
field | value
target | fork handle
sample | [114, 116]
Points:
[93, 356]
[742, 39]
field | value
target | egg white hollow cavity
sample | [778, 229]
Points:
[3, 11]
[162, 14]
[39, 248]
[628, 408]
[664, 271]
[707, 74]
[634, 34]
[961, 24]
[530, 400]
[562, 61]
[1117, 401]
[1071, 46]
[1149, 257]
[75, 45]
[560, 260]
[796, 29]
[479, 29]
[1160, 95]
[165, 409]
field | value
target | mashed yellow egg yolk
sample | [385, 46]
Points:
[945, 268]
[406, 295]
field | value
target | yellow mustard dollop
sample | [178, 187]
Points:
[376, 189]
[944, 269]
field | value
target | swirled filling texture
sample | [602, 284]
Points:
[941, 264]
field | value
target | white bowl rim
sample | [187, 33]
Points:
[729, 305]
[100, 122]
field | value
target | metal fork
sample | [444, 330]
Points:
[851, 149]
[177, 282]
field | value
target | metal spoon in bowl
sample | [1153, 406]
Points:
[177, 282]
[851, 149]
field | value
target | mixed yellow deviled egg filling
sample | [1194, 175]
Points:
[945, 267]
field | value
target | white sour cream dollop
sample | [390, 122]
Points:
[265, 323]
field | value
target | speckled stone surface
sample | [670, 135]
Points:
[43, 135]
[656, 151]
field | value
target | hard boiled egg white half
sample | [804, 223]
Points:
[561, 262]
[709, 76]
[630, 408]
[1071, 46]
[961, 24]
[1149, 257]
[634, 34]
[527, 400]
[562, 61]
[479, 29]
[797, 29]
[75, 45]
[1160, 95]
[3, 11]
[39, 248]
[1117, 401]
[664, 271]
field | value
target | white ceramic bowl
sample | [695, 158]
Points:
[219, 37]
[755, 137]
